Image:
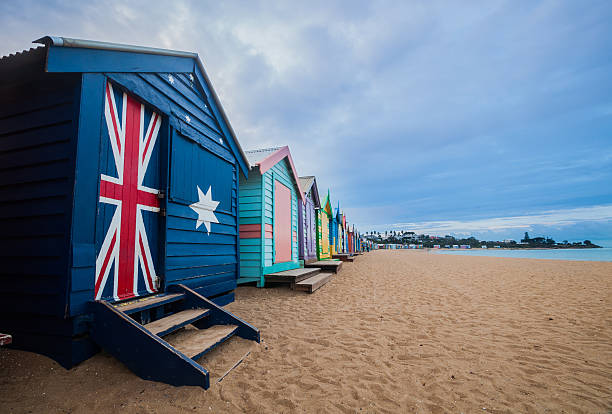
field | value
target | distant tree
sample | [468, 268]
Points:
[526, 239]
[587, 243]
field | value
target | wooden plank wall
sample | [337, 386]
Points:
[38, 128]
[250, 208]
[199, 156]
[37, 136]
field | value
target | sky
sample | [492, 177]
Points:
[488, 118]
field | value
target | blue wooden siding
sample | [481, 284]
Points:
[199, 156]
[37, 138]
[201, 260]
[38, 127]
[50, 135]
[250, 213]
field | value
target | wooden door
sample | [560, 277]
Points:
[128, 219]
[282, 223]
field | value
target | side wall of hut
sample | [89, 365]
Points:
[252, 236]
[38, 129]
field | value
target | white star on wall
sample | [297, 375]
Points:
[205, 208]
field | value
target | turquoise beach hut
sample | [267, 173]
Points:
[268, 210]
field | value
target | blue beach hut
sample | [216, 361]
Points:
[119, 206]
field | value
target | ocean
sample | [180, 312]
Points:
[601, 255]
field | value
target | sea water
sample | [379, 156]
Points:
[602, 255]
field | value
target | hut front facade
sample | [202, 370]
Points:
[351, 240]
[307, 217]
[324, 225]
[269, 201]
[337, 232]
[123, 209]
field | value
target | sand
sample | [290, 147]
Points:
[395, 331]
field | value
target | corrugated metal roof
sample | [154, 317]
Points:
[17, 57]
[255, 156]
[306, 182]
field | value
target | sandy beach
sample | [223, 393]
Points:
[395, 331]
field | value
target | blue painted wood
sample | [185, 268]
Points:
[145, 354]
[68, 59]
[193, 124]
[52, 128]
[223, 299]
[36, 151]
[208, 91]
[218, 315]
[86, 190]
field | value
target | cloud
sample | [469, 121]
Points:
[553, 218]
[407, 111]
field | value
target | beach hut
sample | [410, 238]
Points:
[343, 246]
[119, 206]
[324, 226]
[269, 215]
[337, 231]
[307, 210]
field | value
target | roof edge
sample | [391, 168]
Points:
[274, 158]
[58, 41]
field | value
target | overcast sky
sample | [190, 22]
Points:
[488, 118]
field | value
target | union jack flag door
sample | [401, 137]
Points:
[128, 220]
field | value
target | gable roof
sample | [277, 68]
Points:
[77, 55]
[267, 158]
[310, 182]
[255, 156]
[327, 205]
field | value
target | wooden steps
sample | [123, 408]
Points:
[313, 283]
[203, 341]
[176, 321]
[307, 279]
[292, 276]
[345, 257]
[133, 333]
[326, 265]
[141, 304]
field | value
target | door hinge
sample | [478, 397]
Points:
[162, 212]
[161, 194]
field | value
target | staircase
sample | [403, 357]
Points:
[304, 279]
[345, 257]
[134, 331]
